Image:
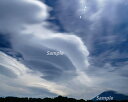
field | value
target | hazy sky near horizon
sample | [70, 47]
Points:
[92, 34]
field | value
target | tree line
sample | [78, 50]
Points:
[56, 99]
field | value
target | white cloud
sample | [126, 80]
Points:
[25, 20]
[24, 77]
[15, 14]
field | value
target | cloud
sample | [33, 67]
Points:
[19, 78]
[104, 31]
[15, 14]
[24, 21]
[74, 74]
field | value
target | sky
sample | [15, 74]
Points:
[92, 34]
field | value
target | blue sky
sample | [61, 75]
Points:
[91, 33]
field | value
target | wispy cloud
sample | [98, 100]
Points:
[16, 78]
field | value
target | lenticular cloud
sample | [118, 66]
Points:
[24, 21]
[17, 76]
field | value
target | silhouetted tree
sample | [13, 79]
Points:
[56, 99]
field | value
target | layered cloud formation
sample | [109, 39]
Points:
[75, 73]
[24, 22]
[104, 31]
